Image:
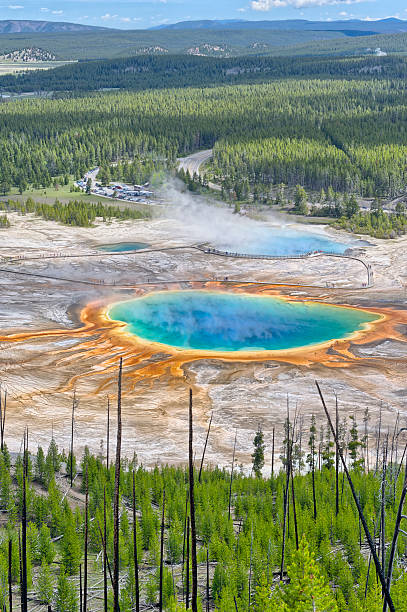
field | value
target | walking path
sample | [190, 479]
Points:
[202, 248]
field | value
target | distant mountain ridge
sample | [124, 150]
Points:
[380, 26]
[11, 26]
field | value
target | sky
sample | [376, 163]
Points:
[140, 14]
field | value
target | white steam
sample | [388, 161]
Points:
[200, 221]
[204, 221]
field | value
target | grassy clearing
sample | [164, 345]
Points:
[8, 67]
[65, 195]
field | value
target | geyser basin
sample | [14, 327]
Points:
[224, 322]
[120, 247]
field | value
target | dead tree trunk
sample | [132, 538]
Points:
[294, 509]
[336, 460]
[250, 572]
[187, 570]
[378, 441]
[160, 603]
[396, 532]
[183, 545]
[207, 580]
[286, 495]
[104, 544]
[72, 432]
[10, 574]
[80, 589]
[2, 419]
[116, 558]
[135, 550]
[108, 433]
[231, 475]
[20, 567]
[194, 595]
[85, 568]
[379, 568]
[204, 450]
[24, 594]
[272, 454]
[383, 510]
[103, 540]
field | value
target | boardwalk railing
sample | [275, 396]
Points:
[211, 251]
[369, 270]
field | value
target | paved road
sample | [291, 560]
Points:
[92, 174]
[193, 162]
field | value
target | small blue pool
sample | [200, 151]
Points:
[120, 247]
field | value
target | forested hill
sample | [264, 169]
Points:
[8, 26]
[111, 44]
[357, 26]
[150, 72]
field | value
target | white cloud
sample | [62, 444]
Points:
[57, 12]
[44, 10]
[108, 16]
[125, 19]
[15, 7]
[241, 10]
[267, 5]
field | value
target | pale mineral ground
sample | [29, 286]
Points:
[37, 372]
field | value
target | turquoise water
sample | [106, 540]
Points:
[119, 247]
[217, 321]
[282, 241]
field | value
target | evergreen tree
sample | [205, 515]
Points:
[355, 445]
[46, 550]
[5, 483]
[40, 466]
[300, 201]
[53, 458]
[306, 590]
[45, 584]
[71, 547]
[328, 451]
[66, 598]
[258, 454]
[351, 206]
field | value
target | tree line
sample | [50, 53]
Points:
[80, 214]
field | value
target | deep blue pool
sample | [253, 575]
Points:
[220, 321]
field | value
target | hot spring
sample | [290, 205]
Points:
[282, 241]
[120, 247]
[223, 322]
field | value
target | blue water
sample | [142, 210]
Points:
[218, 321]
[119, 247]
[282, 241]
